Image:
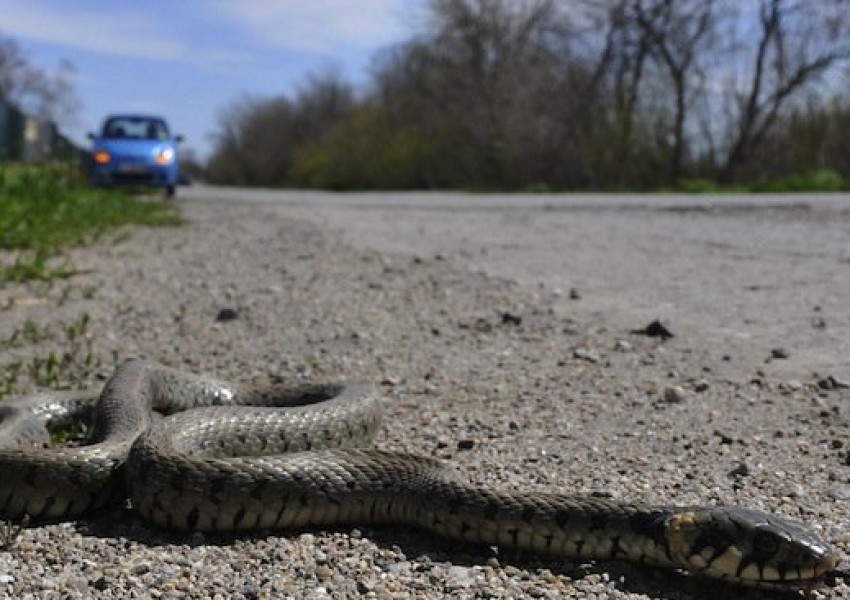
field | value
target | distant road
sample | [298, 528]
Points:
[749, 273]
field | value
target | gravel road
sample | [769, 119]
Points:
[485, 360]
[752, 273]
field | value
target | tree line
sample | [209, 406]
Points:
[549, 95]
[46, 94]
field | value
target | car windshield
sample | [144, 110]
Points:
[135, 128]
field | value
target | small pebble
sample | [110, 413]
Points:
[226, 314]
[466, 444]
[673, 394]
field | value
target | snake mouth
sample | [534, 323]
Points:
[808, 580]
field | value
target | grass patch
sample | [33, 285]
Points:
[10, 531]
[69, 361]
[46, 209]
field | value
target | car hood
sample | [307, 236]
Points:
[132, 147]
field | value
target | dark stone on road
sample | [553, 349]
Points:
[226, 314]
[655, 329]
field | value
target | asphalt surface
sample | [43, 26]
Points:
[762, 279]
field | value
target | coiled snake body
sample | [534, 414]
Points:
[260, 466]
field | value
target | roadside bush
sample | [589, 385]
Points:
[364, 152]
[697, 186]
[821, 180]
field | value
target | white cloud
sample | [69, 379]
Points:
[122, 33]
[322, 26]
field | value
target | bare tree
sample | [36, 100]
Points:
[797, 43]
[675, 33]
[13, 68]
[323, 100]
[229, 160]
[257, 138]
[49, 95]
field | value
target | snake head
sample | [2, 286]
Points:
[749, 547]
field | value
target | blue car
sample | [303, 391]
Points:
[136, 150]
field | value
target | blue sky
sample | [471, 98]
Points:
[188, 59]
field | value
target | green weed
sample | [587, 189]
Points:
[9, 532]
[45, 209]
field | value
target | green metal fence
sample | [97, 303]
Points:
[12, 123]
[25, 138]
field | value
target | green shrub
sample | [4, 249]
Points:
[697, 186]
[363, 152]
[821, 180]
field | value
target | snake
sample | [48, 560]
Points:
[195, 453]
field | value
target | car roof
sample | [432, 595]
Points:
[134, 117]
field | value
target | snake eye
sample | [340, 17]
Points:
[765, 543]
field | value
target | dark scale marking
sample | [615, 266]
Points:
[513, 534]
[464, 527]
[216, 487]
[192, 518]
[238, 518]
[562, 519]
[304, 500]
[746, 561]
[454, 507]
[257, 492]
[29, 478]
[72, 507]
[48, 504]
[548, 539]
[528, 514]
[283, 504]
[714, 540]
[5, 504]
[616, 549]
[579, 547]
[651, 525]
[351, 484]
[491, 513]
[598, 522]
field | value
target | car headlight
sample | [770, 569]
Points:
[164, 156]
[102, 157]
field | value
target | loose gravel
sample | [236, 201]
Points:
[505, 381]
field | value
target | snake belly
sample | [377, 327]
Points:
[234, 458]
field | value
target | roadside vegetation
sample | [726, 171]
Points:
[46, 209]
[543, 95]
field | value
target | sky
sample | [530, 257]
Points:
[187, 60]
